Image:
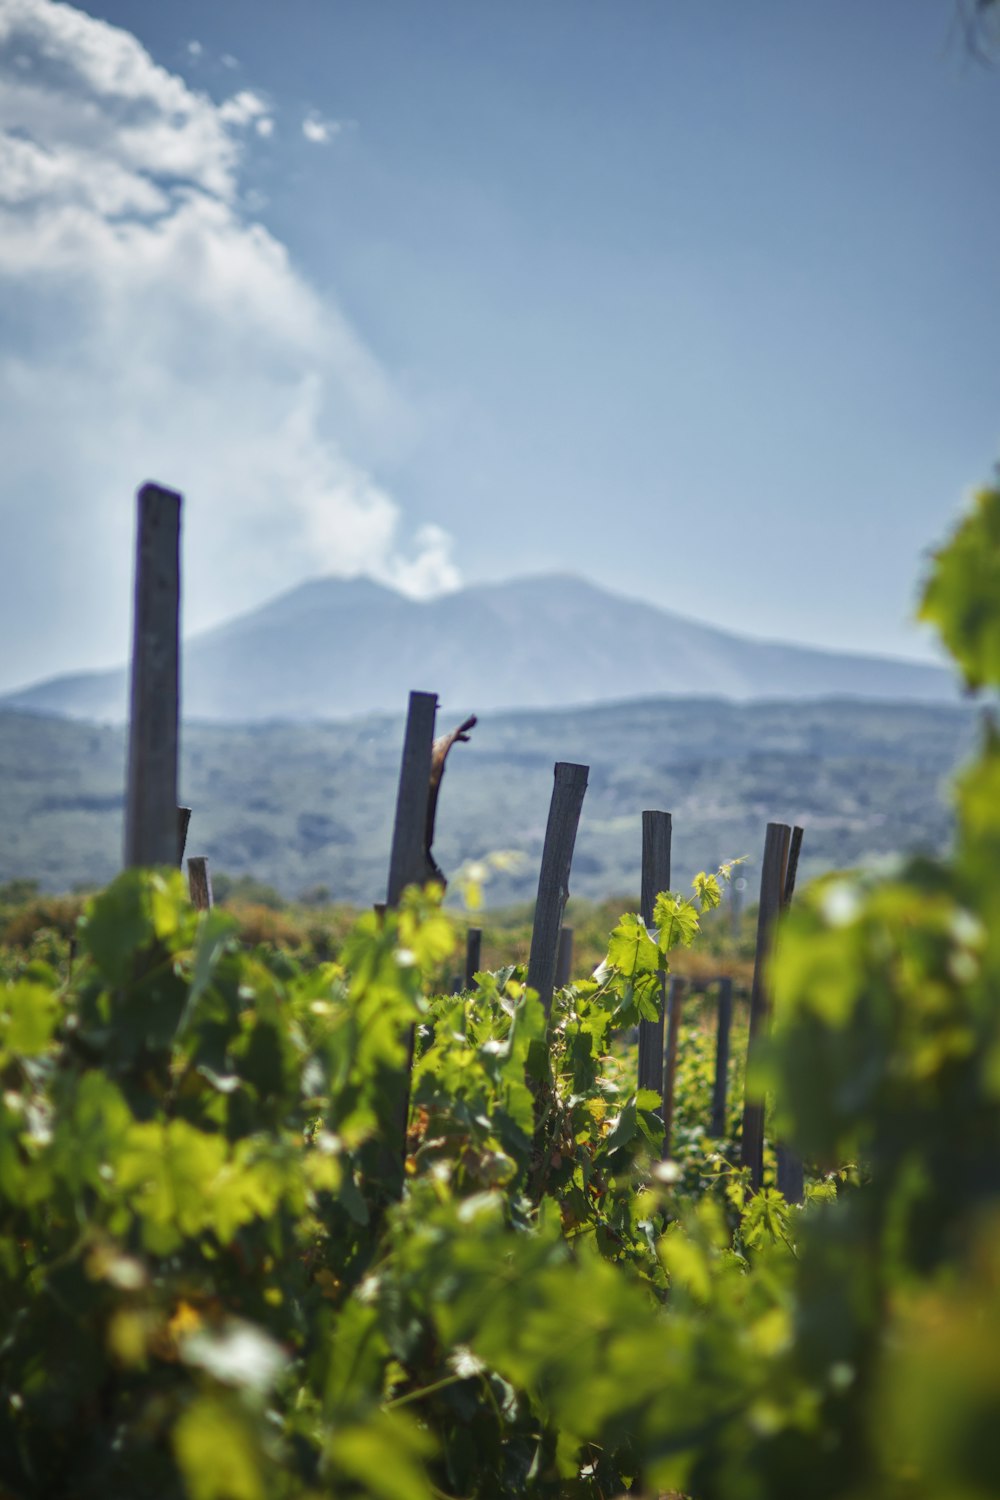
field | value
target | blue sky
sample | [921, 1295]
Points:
[698, 301]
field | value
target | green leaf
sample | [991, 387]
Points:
[217, 1452]
[677, 920]
[962, 595]
[707, 890]
[385, 1457]
[631, 949]
[28, 1017]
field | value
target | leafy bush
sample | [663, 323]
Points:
[222, 1277]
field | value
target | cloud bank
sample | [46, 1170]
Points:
[152, 329]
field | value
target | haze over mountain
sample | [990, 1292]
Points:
[334, 648]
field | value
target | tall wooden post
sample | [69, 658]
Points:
[772, 886]
[151, 817]
[553, 879]
[791, 1174]
[656, 834]
[408, 859]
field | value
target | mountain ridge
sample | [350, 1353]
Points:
[335, 648]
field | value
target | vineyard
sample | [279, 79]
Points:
[277, 1223]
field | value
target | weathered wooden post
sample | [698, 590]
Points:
[151, 817]
[200, 883]
[772, 886]
[408, 856]
[719, 1090]
[656, 835]
[564, 958]
[473, 955]
[183, 822]
[553, 879]
[675, 1001]
[791, 1174]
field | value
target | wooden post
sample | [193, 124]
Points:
[564, 958]
[553, 879]
[473, 955]
[408, 859]
[791, 1174]
[151, 830]
[656, 834]
[183, 819]
[674, 1005]
[719, 1091]
[772, 886]
[200, 883]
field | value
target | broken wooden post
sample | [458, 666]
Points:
[772, 886]
[674, 1005]
[553, 879]
[656, 835]
[408, 857]
[721, 1085]
[564, 958]
[200, 883]
[151, 829]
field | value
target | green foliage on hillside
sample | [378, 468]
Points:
[220, 1279]
[303, 807]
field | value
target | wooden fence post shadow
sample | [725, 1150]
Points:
[568, 791]
[151, 813]
[656, 836]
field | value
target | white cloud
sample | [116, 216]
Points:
[152, 330]
[243, 108]
[319, 130]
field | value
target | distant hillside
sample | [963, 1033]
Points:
[334, 648]
[301, 806]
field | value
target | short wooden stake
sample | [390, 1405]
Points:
[151, 831]
[553, 880]
[674, 1005]
[656, 835]
[720, 1088]
[473, 955]
[564, 958]
[772, 886]
[200, 883]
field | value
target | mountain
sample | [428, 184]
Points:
[335, 648]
